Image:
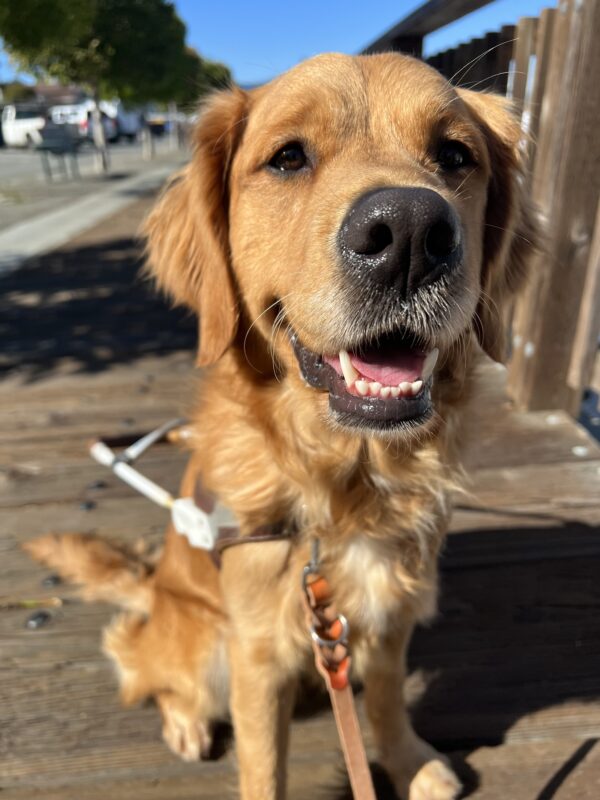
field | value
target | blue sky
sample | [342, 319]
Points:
[262, 38]
[259, 39]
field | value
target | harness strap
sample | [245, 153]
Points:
[230, 536]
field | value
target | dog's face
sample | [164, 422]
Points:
[360, 216]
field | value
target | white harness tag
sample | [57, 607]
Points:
[200, 529]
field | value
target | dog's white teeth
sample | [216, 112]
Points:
[350, 374]
[375, 389]
[429, 364]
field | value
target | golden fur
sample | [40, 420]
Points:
[229, 240]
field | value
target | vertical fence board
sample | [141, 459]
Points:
[477, 72]
[491, 42]
[523, 49]
[543, 53]
[585, 347]
[503, 55]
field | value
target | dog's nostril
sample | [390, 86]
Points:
[440, 241]
[377, 239]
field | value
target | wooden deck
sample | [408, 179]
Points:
[507, 681]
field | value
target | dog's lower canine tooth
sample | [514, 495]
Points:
[362, 387]
[429, 364]
[416, 387]
[350, 374]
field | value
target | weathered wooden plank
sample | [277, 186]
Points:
[580, 777]
[532, 113]
[558, 485]
[585, 344]
[70, 484]
[523, 49]
[503, 55]
[520, 772]
[515, 439]
[532, 771]
[500, 438]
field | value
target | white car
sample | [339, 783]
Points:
[22, 123]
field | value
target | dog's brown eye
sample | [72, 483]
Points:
[454, 155]
[290, 158]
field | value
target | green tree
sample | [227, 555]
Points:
[200, 76]
[131, 48]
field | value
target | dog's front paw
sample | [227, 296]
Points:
[186, 737]
[434, 781]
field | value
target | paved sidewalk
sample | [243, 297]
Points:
[36, 216]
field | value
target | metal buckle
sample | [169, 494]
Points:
[332, 643]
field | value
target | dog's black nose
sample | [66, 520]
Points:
[400, 238]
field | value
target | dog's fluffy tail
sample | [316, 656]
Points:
[106, 571]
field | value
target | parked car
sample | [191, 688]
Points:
[80, 116]
[21, 124]
[129, 123]
[156, 122]
[74, 115]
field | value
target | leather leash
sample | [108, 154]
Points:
[329, 637]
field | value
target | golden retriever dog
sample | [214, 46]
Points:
[349, 236]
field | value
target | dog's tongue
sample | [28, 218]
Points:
[390, 369]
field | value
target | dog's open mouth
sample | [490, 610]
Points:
[382, 385]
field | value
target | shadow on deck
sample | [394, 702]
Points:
[89, 304]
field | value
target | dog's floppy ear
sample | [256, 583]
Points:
[510, 233]
[188, 249]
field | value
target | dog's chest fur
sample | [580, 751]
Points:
[381, 559]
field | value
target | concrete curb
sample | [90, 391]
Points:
[48, 231]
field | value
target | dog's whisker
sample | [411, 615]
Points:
[472, 86]
[252, 324]
[469, 65]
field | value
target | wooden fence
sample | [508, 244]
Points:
[551, 68]
[482, 63]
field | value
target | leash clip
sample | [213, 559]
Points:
[312, 568]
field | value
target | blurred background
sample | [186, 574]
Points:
[97, 102]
